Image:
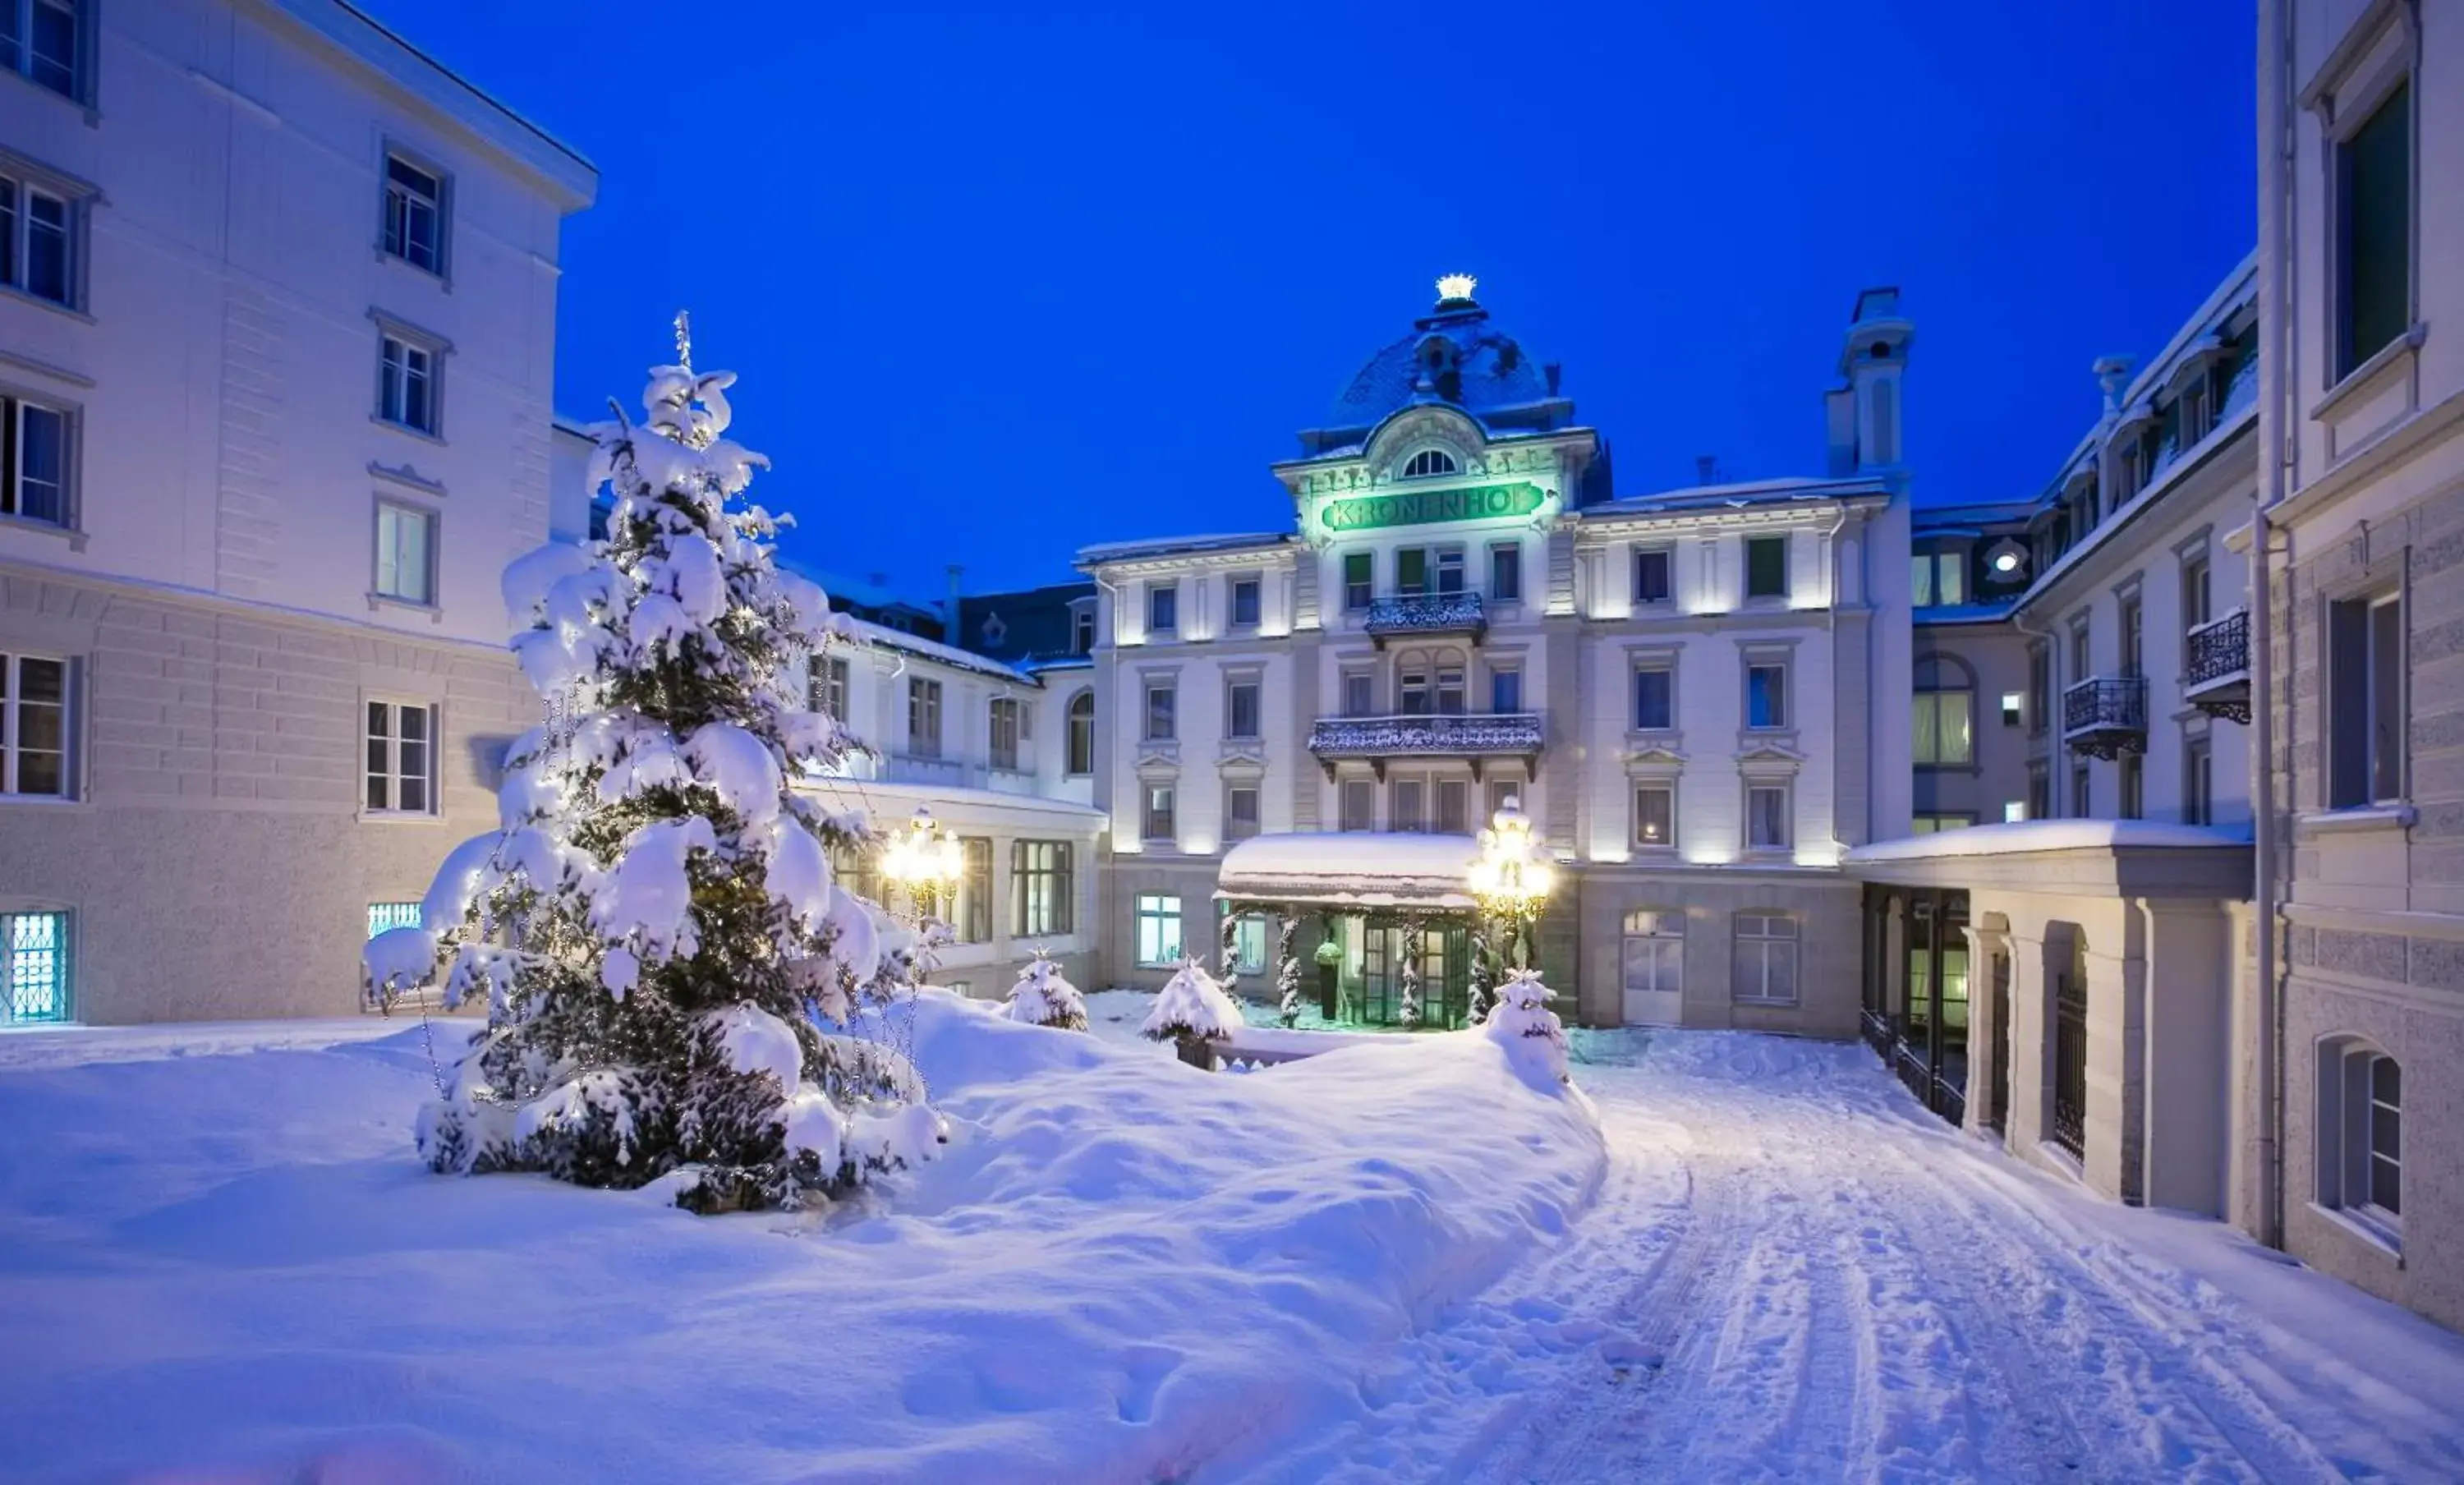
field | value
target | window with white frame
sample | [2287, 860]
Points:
[1241, 707]
[1504, 688]
[1766, 816]
[402, 758]
[2131, 774]
[2373, 226]
[1454, 806]
[1655, 815]
[34, 967]
[1158, 929]
[35, 446]
[923, 717]
[1358, 802]
[1240, 811]
[407, 383]
[1357, 582]
[1407, 805]
[1164, 700]
[1163, 608]
[2361, 1134]
[1653, 575]
[1943, 713]
[1941, 577]
[1159, 819]
[34, 727]
[2365, 702]
[414, 215]
[1246, 602]
[1003, 721]
[1082, 632]
[1429, 463]
[1450, 570]
[1081, 733]
[1765, 956]
[830, 687]
[1041, 888]
[1766, 567]
[1359, 694]
[44, 40]
[1653, 952]
[971, 915]
[405, 554]
[1506, 572]
[1655, 698]
[38, 238]
[1767, 694]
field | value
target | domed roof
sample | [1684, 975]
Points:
[1454, 355]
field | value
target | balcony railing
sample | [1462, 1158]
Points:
[2217, 680]
[1470, 735]
[1425, 614]
[2107, 717]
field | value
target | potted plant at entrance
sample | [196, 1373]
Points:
[1194, 1014]
[1329, 967]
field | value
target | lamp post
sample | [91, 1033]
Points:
[924, 858]
[1512, 876]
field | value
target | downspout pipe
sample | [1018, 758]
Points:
[2275, 445]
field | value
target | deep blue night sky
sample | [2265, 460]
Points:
[1003, 281]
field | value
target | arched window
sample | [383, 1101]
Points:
[1081, 733]
[1430, 462]
[2361, 1128]
[1942, 726]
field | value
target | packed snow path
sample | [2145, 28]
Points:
[1792, 1272]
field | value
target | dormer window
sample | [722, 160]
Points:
[1429, 463]
[1941, 575]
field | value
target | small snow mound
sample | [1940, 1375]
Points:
[1535, 1039]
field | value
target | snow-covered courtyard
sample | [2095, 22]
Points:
[221, 1260]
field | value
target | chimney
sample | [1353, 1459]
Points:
[1706, 469]
[950, 607]
[2113, 374]
[1551, 371]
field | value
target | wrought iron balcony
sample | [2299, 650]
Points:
[2217, 682]
[1475, 735]
[2107, 717]
[1425, 614]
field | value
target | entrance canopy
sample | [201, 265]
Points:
[1352, 869]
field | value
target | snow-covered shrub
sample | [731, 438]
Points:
[1530, 1033]
[1042, 997]
[1193, 1012]
[654, 924]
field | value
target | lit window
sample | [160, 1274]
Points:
[402, 758]
[1158, 929]
[34, 727]
[1766, 823]
[971, 917]
[35, 967]
[1429, 462]
[1941, 577]
[1041, 888]
[407, 385]
[1249, 944]
[1943, 713]
[405, 554]
[1655, 816]
[414, 215]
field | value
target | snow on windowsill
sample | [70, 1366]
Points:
[2022, 836]
[2388, 1245]
[2370, 817]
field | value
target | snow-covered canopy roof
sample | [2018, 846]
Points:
[2132, 858]
[1351, 869]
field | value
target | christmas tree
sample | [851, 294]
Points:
[1042, 997]
[1521, 1021]
[1193, 1012]
[666, 957]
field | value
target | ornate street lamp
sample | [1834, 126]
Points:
[1512, 876]
[925, 859]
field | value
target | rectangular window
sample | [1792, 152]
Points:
[386, 917]
[2040, 689]
[1239, 811]
[1412, 689]
[33, 460]
[1042, 892]
[1164, 700]
[2082, 802]
[1081, 726]
[2014, 708]
[41, 38]
[405, 554]
[2134, 647]
[1004, 720]
[1655, 816]
[2080, 652]
[1944, 727]
[414, 215]
[1767, 566]
[1505, 689]
[1450, 571]
[1359, 694]
[1450, 691]
[1454, 806]
[1241, 709]
[830, 687]
[1506, 572]
[1412, 570]
[1765, 959]
[1767, 817]
[2133, 777]
[970, 916]
[1356, 580]
[1244, 602]
[34, 727]
[406, 384]
[1082, 632]
[1941, 578]
[402, 758]
[1159, 825]
[2198, 782]
[37, 238]
[1767, 695]
[1249, 944]
[923, 717]
[2194, 592]
[1163, 608]
[1652, 582]
[2365, 751]
[1410, 806]
[1158, 930]
[34, 967]
[1655, 698]
[1936, 824]
[1360, 805]
[2040, 792]
[2374, 233]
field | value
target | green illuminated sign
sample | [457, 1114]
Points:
[1421, 507]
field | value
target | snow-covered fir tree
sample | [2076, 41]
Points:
[665, 954]
[1192, 1012]
[1532, 1033]
[1042, 997]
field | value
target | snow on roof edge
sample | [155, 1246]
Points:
[2026, 836]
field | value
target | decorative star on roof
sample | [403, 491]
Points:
[1457, 286]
